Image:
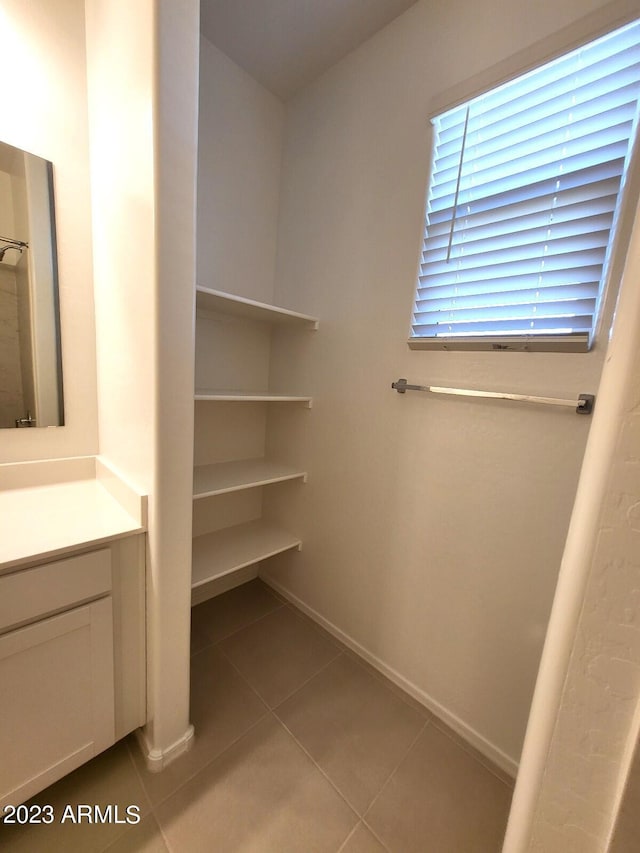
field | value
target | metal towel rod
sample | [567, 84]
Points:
[583, 405]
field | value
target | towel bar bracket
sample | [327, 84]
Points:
[586, 403]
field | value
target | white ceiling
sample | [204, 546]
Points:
[285, 44]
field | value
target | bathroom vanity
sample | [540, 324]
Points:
[72, 618]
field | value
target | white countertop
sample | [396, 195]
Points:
[40, 522]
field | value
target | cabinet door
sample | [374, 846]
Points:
[56, 698]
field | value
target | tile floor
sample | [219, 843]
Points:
[300, 746]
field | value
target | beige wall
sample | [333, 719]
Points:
[597, 714]
[7, 225]
[240, 132]
[43, 47]
[143, 61]
[241, 128]
[433, 528]
[122, 172]
[143, 71]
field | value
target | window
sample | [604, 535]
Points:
[523, 199]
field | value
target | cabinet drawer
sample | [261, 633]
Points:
[34, 593]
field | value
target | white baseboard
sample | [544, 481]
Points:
[488, 749]
[157, 759]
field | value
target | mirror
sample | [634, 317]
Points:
[30, 356]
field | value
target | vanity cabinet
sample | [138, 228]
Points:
[57, 711]
[56, 672]
[72, 629]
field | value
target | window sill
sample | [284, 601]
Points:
[532, 343]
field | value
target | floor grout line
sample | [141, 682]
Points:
[167, 843]
[267, 708]
[237, 630]
[152, 813]
[115, 840]
[339, 652]
[149, 811]
[472, 752]
[393, 772]
[200, 770]
[129, 828]
[327, 635]
[244, 679]
[312, 759]
[306, 681]
[375, 834]
[342, 846]
[280, 722]
[273, 712]
[409, 701]
[137, 772]
[393, 688]
[317, 766]
[267, 711]
[281, 725]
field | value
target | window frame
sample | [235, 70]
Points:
[577, 35]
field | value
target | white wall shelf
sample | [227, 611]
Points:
[236, 354]
[229, 550]
[238, 306]
[250, 397]
[224, 477]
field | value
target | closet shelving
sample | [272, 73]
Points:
[220, 553]
[225, 477]
[238, 306]
[249, 397]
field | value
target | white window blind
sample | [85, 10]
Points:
[523, 194]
